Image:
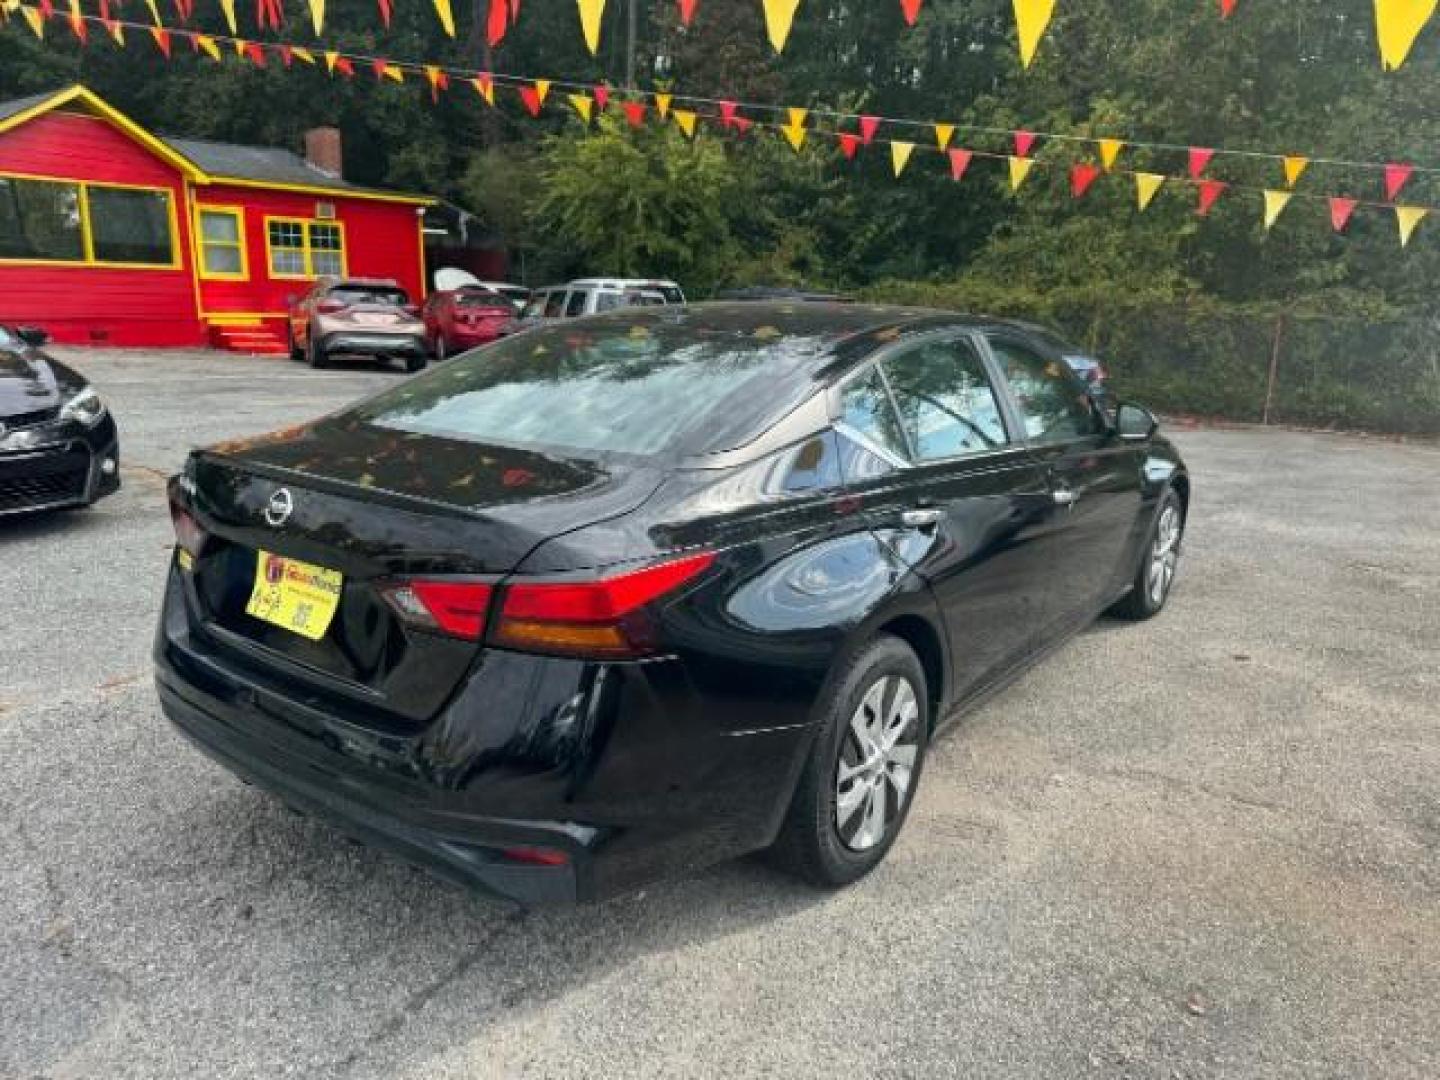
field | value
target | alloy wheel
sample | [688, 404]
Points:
[877, 762]
[1164, 554]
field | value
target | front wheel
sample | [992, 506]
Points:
[1159, 560]
[415, 362]
[856, 789]
[441, 352]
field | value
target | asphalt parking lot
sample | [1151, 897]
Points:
[1204, 846]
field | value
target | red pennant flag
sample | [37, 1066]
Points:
[743, 124]
[47, 9]
[162, 39]
[1226, 7]
[184, 9]
[496, 23]
[959, 162]
[1209, 191]
[77, 23]
[387, 8]
[849, 143]
[287, 55]
[255, 53]
[911, 10]
[727, 114]
[634, 113]
[345, 67]
[602, 96]
[105, 10]
[1396, 174]
[378, 66]
[1340, 211]
[868, 126]
[531, 97]
[1199, 157]
[1024, 140]
[687, 11]
[1082, 176]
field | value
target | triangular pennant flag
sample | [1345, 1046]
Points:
[542, 90]
[1406, 218]
[1024, 140]
[77, 22]
[583, 104]
[331, 59]
[1082, 175]
[36, 22]
[849, 143]
[161, 37]
[287, 54]
[943, 134]
[1031, 19]
[685, 120]
[743, 124]
[1397, 24]
[727, 113]
[534, 95]
[255, 53]
[868, 126]
[240, 46]
[1019, 170]
[591, 13]
[386, 70]
[206, 44]
[445, 15]
[345, 67]
[779, 14]
[317, 14]
[911, 10]
[485, 87]
[687, 11]
[1274, 202]
[302, 54]
[1209, 191]
[1395, 176]
[900, 155]
[387, 8]
[227, 8]
[1146, 185]
[1199, 157]
[154, 10]
[47, 9]
[496, 22]
[437, 79]
[662, 104]
[601, 94]
[634, 112]
[1294, 166]
[117, 31]
[1226, 7]
[795, 129]
[1340, 211]
[1109, 152]
[959, 162]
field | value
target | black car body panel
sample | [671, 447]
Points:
[49, 461]
[457, 753]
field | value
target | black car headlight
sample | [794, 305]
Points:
[85, 407]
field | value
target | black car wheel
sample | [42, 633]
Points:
[296, 353]
[1159, 559]
[315, 352]
[441, 352]
[857, 787]
[415, 362]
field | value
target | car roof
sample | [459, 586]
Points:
[622, 282]
[366, 282]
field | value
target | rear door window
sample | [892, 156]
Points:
[1053, 402]
[576, 304]
[554, 304]
[947, 405]
[867, 412]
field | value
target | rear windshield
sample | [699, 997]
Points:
[636, 382]
[480, 298]
[368, 294]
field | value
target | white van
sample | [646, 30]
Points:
[586, 296]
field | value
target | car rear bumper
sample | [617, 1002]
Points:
[61, 466]
[368, 343]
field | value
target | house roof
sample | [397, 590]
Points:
[205, 162]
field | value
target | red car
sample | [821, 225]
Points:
[460, 319]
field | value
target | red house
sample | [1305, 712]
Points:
[110, 234]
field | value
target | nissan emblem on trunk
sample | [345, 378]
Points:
[279, 508]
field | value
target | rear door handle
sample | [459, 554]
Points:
[925, 517]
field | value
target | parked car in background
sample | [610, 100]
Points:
[461, 319]
[590, 296]
[449, 278]
[357, 317]
[583, 609]
[58, 442]
[1088, 368]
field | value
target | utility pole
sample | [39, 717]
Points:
[631, 23]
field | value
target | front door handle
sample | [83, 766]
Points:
[1063, 496]
[925, 517]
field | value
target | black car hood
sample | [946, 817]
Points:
[32, 382]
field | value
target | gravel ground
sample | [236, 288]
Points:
[1205, 846]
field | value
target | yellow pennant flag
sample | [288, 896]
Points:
[228, 7]
[1274, 202]
[779, 15]
[795, 129]
[207, 44]
[1407, 217]
[447, 18]
[302, 54]
[943, 134]
[331, 59]
[591, 12]
[317, 17]
[685, 119]
[1019, 170]
[241, 48]
[117, 31]
[1397, 24]
[1031, 19]
[154, 12]
[1109, 151]
[1146, 185]
[583, 104]
[542, 88]
[900, 155]
[662, 105]
[394, 74]
[1294, 166]
[34, 20]
[486, 87]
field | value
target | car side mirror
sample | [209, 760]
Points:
[1134, 423]
[33, 336]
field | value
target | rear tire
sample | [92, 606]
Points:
[859, 782]
[415, 362]
[441, 352]
[315, 352]
[1159, 560]
[296, 353]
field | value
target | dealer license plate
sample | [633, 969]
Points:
[299, 596]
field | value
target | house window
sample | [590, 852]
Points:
[222, 242]
[66, 221]
[305, 249]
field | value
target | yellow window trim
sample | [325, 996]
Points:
[323, 192]
[87, 232]
[236, 212]
[306, 249]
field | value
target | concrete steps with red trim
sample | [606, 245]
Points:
[259, 339]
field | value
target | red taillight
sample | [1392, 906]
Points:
[536, 856]
[457, 608]
[592, 618]
[330, 307]
[189, 533]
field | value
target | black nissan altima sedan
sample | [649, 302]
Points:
[58, 444]
[628, 595]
